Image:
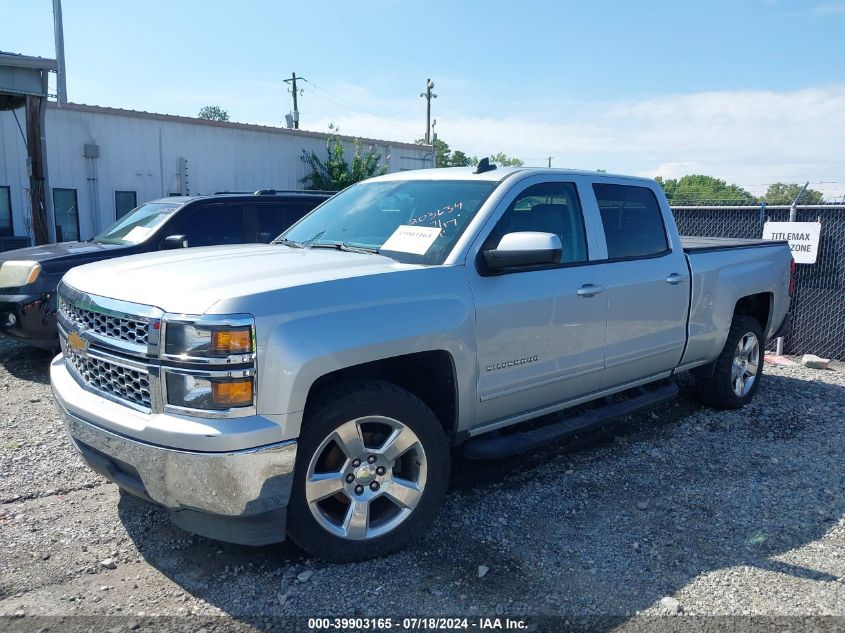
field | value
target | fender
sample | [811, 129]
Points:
[347, 322]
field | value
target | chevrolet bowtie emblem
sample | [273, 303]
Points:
[76, 342]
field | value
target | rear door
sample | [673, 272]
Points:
[540, 336]
[648, 283]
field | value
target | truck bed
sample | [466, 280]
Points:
[708, 244]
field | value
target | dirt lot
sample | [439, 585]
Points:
[682, 511]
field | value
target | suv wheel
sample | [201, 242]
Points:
[738, 369]
[372, 470]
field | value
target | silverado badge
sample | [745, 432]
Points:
[76, 342]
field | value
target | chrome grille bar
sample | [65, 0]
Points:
[117, 380]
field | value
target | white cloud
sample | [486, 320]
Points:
[748, 137]
[829, 9]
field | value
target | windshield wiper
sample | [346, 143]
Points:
[295, 244]
[288, 242]
[349, 248]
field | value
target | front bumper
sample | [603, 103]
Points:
[30, 318]
[238, 496]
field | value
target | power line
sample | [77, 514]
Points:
[340, 101]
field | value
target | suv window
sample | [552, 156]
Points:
[550, 207]
[274, 217]
[633, 223]
[209, 225]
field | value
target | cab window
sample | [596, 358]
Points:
[551, 207]
[633, 223]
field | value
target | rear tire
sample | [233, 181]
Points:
[372, 469]
[738, 370]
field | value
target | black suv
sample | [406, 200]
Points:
[29, 276]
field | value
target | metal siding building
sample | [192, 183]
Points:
[96, 152]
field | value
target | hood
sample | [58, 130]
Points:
[191, 281]
[64, 251]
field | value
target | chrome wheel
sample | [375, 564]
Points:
[366, 477]
[746, 364]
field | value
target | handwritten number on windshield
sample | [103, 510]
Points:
[436, 218]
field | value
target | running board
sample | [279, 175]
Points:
[496, 446]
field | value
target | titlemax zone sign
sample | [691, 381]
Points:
[803, 238]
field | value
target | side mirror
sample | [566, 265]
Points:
[524, 248]
[172, 242]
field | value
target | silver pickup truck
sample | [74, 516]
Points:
[314, 387]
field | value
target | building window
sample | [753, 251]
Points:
[67, 215]
[7, 228]
[124, 202]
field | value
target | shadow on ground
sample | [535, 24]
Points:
[564, 543]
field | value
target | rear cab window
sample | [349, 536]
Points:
[632, 220]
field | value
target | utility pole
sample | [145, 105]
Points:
[550, 161]
[292, 82]
[429, 95]
[793, 209]
[59, 36]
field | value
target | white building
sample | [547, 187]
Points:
[101, 162]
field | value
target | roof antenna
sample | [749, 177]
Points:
[483, 166]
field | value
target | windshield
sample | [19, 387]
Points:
[137, 225]
[412, 221]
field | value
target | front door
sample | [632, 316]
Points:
[540, 332]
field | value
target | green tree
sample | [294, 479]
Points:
[336, 173]
[501, 159]
[706, 190]
[459, 159]
[446, 157]
[213, 113]
[782, 193]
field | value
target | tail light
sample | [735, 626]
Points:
[791, 277]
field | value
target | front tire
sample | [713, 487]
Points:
[372, 470]
[738, 370]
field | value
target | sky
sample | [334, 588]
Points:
[751, 91]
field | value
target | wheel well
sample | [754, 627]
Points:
[430, 376]
[757, 306]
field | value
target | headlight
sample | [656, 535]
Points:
[209, 364]
[14, 274]
[211, 341]
[209, 393]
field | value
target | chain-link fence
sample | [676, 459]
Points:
[818, 306]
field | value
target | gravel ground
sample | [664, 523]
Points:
[684, 510]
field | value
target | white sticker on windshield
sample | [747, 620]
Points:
[138, 234]
[412, 239]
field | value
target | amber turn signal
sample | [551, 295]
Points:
[231, 341]
[232, 393]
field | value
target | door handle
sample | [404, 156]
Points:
[589, 290]
[674, 279]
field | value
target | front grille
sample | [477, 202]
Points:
[124, 383]
[120, 328]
